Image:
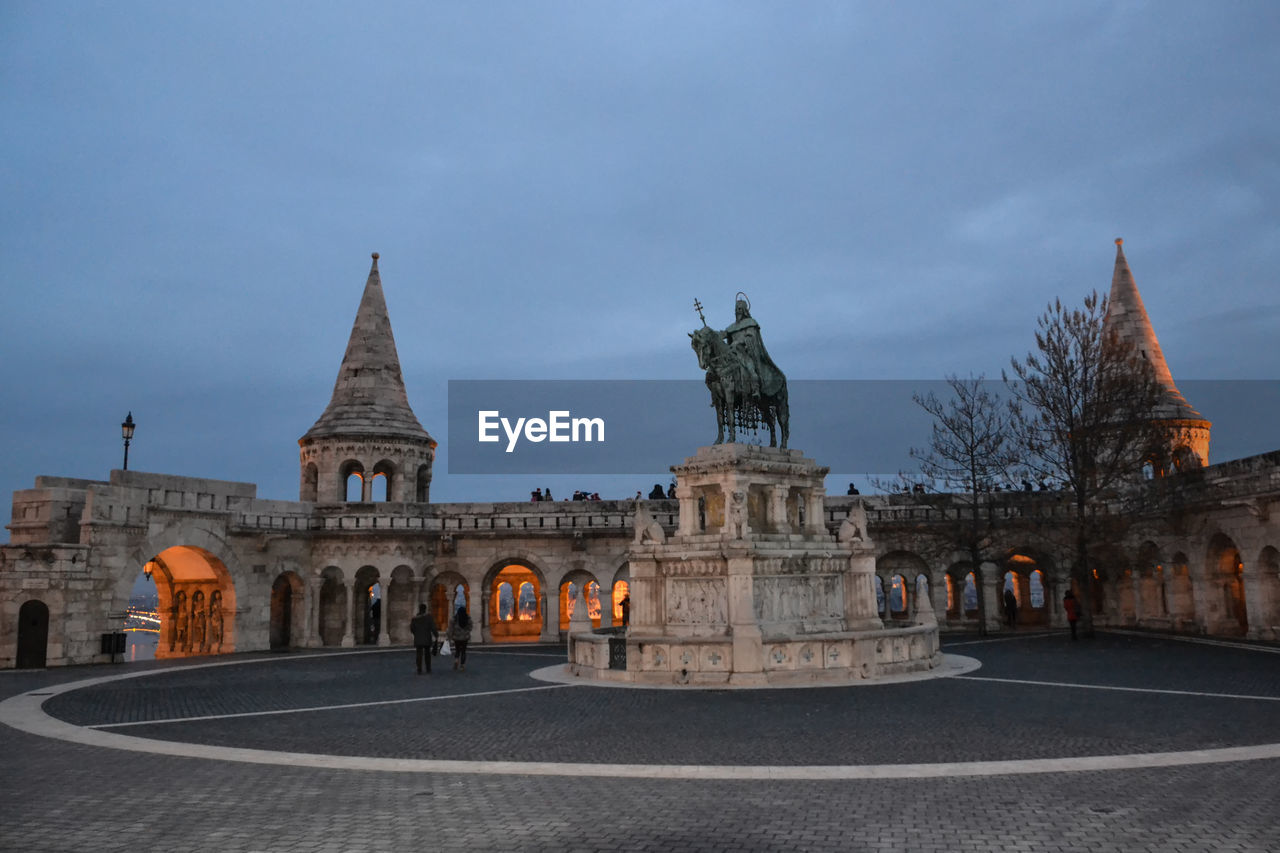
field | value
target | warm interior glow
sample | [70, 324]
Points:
[621, 590]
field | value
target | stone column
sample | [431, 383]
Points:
[1207, 600]
[551, 614]
[778, 509]
[606, 606]
[384, 624]
[991, 592]
[481, 617]
[1139, 610]
[366, 488]
[311, 611]
[815, 520]
[348, 631]
[688, 511]
[1257, 601]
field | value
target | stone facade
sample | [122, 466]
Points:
[1200, 553]
[751, 587]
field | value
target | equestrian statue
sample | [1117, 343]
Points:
[747, 388]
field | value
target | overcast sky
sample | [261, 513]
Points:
[192, 191]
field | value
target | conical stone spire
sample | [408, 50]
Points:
[369, 397]
[1127, 317]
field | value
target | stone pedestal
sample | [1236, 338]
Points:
[751, 588]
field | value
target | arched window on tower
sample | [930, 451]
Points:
[354, 487]
[352, 477]
[383, 481]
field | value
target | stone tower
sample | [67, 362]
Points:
[368, 428]
[1127, 317]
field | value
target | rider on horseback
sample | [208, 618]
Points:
[744, 339]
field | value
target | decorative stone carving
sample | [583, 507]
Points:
[647, 530]
[696, 601]
[854, 526]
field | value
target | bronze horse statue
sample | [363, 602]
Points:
[737, 390]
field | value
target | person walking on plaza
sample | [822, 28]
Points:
[1010, 608]
[424, 634]
[459, 636]
[1072, 608]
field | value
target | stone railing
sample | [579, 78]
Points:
[551, 517]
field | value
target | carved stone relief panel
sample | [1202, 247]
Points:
[790, 598]
[696, 601]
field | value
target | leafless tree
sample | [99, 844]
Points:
[1083, 414]
[970, 453]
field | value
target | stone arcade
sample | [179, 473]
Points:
[237, 573]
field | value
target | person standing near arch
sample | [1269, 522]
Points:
[1010, 608]
[460, 636]
[1072, 608]
[425, 634]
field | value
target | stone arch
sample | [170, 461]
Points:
[348, 469]
[442, 594]
[523, 625]
[287, 614]
[332, 606]
[962, 592]
[620, 589]
[384, 482]
[33, 635]
[1110, 574]
[573, 580]
[1028, 572]
[366, 615]
[897, 570]
[188, 567]
[1224, 569]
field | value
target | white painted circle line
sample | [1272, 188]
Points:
[25, 713]
[1077, 686]
[952, 666]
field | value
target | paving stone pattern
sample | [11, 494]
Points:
[61, 797]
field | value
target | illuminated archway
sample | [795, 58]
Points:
[1226, 579]
[621, 592]
[573, 583]
[196, 602]
[515, 604]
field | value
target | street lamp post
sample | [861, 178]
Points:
[126, 430]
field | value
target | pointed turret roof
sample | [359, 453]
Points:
[1127, 316]
[369, 396]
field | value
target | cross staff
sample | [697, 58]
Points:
[697, 306]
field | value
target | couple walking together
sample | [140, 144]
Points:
[425, 633]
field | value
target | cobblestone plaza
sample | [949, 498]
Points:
[1126, 742]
